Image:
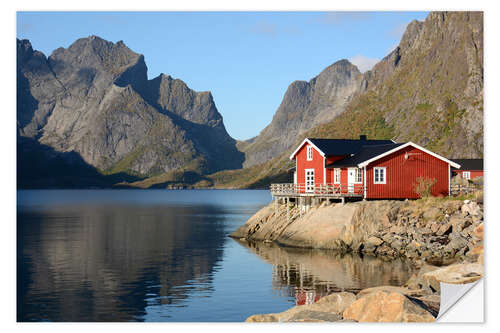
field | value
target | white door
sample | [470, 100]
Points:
[309, 180]
[351, 177]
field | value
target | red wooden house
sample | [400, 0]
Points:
[469, 168]
[372, 169]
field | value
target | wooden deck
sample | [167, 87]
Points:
[317, 191]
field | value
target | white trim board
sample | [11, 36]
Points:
[300, 146]
[365, 163]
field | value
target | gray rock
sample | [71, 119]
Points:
[305, 105]
[94, 98]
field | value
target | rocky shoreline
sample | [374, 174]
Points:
[442, 237]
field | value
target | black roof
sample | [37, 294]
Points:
[470, 164]
[344, 146]
[364, 154]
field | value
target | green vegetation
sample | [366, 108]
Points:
[126, 162]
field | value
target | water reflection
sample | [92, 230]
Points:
[109, 262]
[309, 274]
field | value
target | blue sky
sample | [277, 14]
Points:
[246, 59]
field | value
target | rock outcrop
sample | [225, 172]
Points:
[327, 309]
[418, 300]
[382, 306]
[438, 231]
[94, 99]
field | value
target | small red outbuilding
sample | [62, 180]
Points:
[372, 169]
[469, 168]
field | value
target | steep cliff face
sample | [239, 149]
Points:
[94, 98]
[305, 105]
[429, 90]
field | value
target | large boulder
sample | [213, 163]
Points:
[454, 274]
[383, 306]
[328, 308]
[471, 208]
[392, 289]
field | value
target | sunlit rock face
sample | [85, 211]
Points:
[94, 98]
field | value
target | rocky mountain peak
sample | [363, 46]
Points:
[94, 98]
[305, 105]
[411, 33]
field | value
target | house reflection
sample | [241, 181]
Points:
[309, 274]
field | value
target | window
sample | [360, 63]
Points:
[358, 176]
[336, 176]
[379, 175]
[466, 175]
[309, 153]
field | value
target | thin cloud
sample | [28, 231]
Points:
[335, 18]
[363, 63]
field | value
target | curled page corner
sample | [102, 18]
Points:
[452, 294]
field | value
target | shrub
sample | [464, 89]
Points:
[423, 186]
[479, 181]
[458, 180]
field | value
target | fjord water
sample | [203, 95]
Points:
[165, 255]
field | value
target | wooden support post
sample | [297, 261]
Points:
[287, 209]
[300, 206]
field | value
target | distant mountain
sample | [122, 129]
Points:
[305, 105]
[94, 99]
[428, 90]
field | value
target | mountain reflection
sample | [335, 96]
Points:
[308, 274]
[109, 262]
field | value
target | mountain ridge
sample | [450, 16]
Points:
[94, 98]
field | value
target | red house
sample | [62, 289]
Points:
[371, 169]
[469, 168]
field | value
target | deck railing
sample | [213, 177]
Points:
[339, 190]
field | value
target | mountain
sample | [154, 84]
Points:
[305, 105]
[428, 90]
[94, 99]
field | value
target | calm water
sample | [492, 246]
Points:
[159, 255]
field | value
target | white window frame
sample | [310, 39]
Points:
[309, 153]
[310, 187]
[336, 172]
[384, 173]
[358, 173]
[466, 174]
